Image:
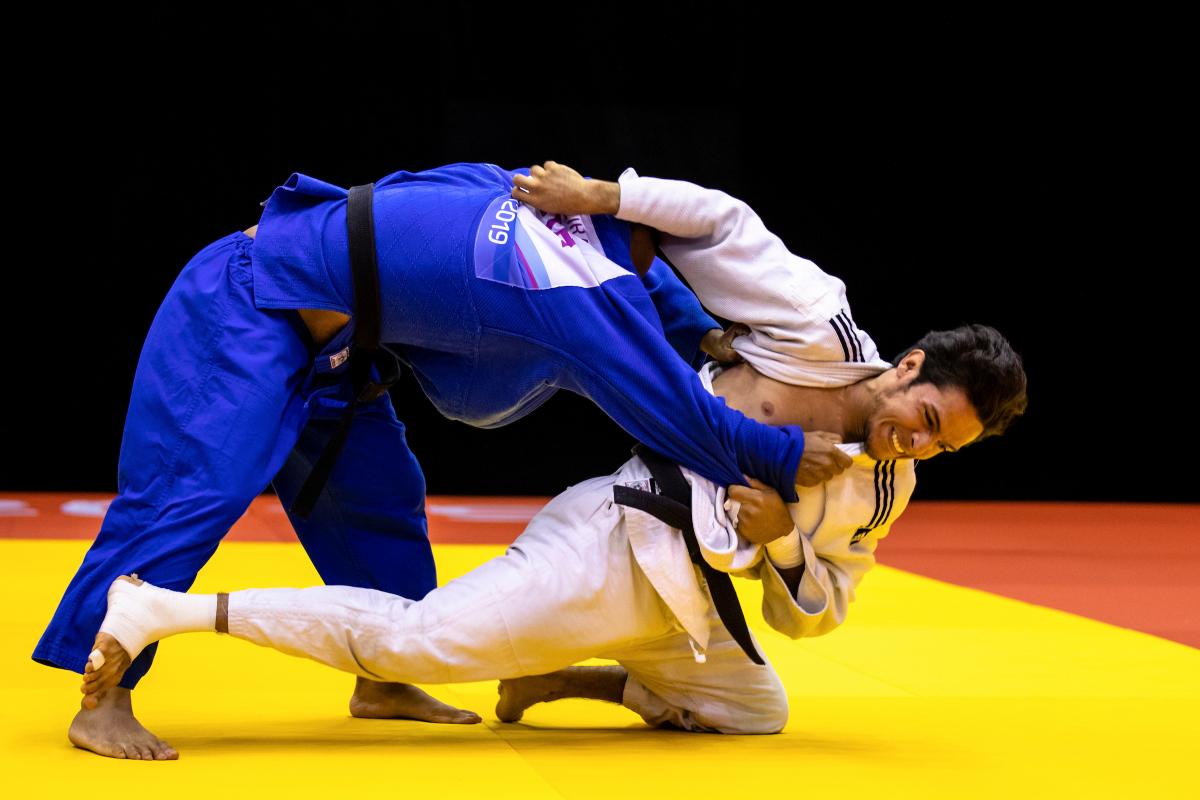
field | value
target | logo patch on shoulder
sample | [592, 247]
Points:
[519, 245]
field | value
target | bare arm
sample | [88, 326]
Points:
[738, 268]
[558, 189]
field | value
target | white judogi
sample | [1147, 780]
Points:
[589, 578]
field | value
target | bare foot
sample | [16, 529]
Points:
[373, 700]
[110, 729]
[518, 694]
[591, 683]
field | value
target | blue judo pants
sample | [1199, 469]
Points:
[226, 399]
[228, 395]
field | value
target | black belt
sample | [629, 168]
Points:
[366, 350]
[674, 507]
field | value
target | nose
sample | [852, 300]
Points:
[921, 444]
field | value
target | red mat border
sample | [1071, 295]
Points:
[1133, 565]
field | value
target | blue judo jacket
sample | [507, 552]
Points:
[496, 306]
[493, 305]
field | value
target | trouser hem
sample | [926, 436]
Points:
[60, 657]
[64, 658]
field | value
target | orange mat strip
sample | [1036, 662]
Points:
[1132, 565]
[1136, 565]
[452, 520]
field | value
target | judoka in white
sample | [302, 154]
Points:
[590, 578]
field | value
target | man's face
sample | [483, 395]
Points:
[921, 420]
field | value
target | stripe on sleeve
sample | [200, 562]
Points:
[841, 338]
[852, 335]
[885, 496]
[891, 491]
[878, 489]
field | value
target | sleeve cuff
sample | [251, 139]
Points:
[631, 196]
[786, 552]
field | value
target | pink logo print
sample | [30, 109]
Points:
[555, 223]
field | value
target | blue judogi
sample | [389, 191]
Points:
[493, 307]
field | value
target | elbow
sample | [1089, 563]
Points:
[733, 215]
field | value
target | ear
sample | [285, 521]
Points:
[910, 366]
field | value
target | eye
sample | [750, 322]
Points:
[932, 418]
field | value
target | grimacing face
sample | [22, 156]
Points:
[921, 420]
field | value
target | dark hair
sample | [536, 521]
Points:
[981, 362]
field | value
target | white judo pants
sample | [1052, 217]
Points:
[567, 589]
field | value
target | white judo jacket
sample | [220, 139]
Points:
[802, 333]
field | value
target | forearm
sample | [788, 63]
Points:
[601, 197]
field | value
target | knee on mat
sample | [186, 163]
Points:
[766, 711]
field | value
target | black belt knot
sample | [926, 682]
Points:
[674, 507]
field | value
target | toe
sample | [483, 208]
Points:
[91, 685]
[448, 715]
[164, 751]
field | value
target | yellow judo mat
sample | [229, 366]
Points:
[929, 690]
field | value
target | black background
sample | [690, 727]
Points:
[1034, 177]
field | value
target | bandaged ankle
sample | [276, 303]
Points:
[139, 614]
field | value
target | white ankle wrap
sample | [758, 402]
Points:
[140, 614]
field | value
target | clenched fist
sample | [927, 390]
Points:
[763, 516]
[719, 343]
[822, 459]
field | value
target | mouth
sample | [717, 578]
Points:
[896, 443]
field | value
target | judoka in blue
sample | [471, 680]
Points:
[493, 306]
